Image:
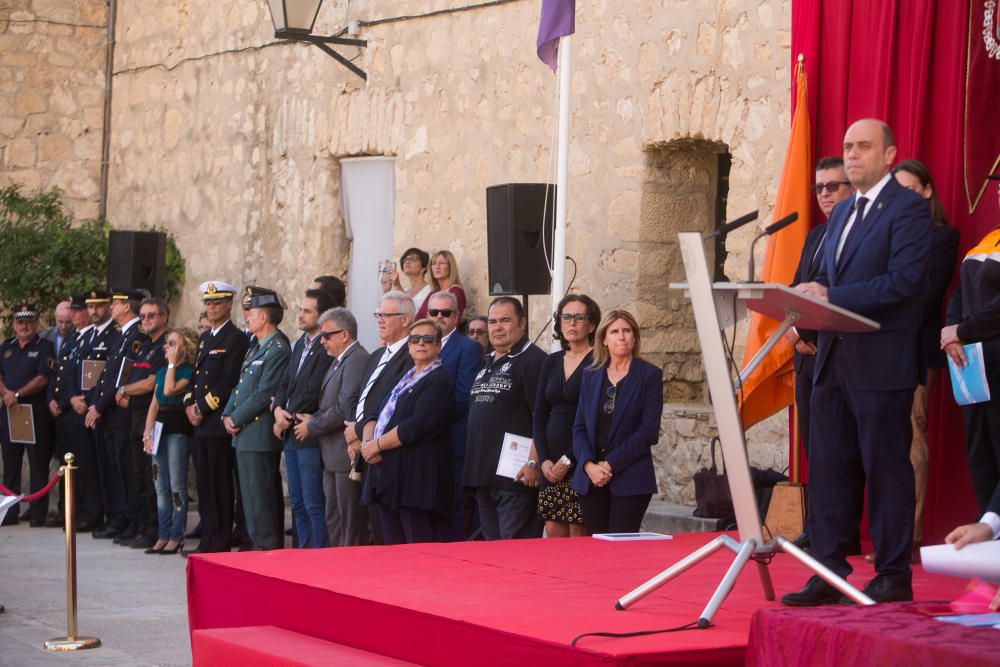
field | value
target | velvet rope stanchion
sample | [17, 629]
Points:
[37, 495]
[70, 642]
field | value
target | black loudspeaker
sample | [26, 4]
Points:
[520, 218]
[137, 260]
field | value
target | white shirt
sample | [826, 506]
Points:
[992, 519]
[99, 328]
[390, 352]
[128, 325]
[444, 341]
[340, 357]
[871, 196]
[215, 331]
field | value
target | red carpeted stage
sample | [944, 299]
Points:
[498, 603]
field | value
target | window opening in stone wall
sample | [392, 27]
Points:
[684, 188]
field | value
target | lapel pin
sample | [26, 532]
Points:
[879, 207]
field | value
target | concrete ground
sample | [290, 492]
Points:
[134, 603]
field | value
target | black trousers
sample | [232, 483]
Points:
[144, 510]
[982, 443]
[803, 394]
[407, 525]
[119, 489]
[604, 512]
[73, 437]
[860, 441]
[214, 472]
[38, 462]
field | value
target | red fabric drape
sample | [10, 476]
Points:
[904, 61]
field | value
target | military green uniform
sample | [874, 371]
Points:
[258, 452]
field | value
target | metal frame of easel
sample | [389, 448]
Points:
[705, 299]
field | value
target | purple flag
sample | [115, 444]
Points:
[558, 20]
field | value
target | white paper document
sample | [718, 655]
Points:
[513, 455]
[155, 435]
[973, 560]
[631, 537]
[6, 502]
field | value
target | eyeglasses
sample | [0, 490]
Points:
[416, 339]
[441, 263]
[573, 317]
[382, 316]
[148, 316]
[326, 334]
[411, 258]
[477, 332]
[609, 405]
[830, 187]
[171, 343]
[440, 312]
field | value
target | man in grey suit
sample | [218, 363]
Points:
[346, 520]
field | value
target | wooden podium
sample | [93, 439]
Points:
[717, 307]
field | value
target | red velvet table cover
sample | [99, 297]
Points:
[885, 634]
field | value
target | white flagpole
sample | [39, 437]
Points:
[562, 178]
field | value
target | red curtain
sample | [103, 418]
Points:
[904, 61]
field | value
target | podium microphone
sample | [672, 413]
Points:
[730, 226]
[770, 229]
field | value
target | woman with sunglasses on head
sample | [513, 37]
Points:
[413, 264]
[444, 277]
[576, 319]
[410, 466]
[617, 422]
[170, 461]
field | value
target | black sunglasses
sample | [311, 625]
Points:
[415, 339]
[326, 334]
[442, 312]
[830, 187]
[609, 405]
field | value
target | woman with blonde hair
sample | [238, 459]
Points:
[170, 460]
[444, 276]
[617, 424]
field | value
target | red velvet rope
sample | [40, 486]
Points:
[41, 493]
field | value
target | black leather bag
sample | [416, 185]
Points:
[711, 490]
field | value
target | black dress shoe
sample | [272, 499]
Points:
[816, 592]
[37, 524]
[106, 533]
[884, 589]
[191, 552]
[55, 522]
[142, 542]
[125, 538]
[802, 541]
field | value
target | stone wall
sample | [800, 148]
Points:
[52, 61]
[232, 142]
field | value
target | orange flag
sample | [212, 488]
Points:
[771, 387]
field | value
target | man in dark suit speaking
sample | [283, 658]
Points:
[874, 261]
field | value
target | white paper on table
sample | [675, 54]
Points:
[514, 454]
[981, 559]
[6, 502]
[631, 537]
[155, 435]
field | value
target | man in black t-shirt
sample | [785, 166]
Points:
[500, 402]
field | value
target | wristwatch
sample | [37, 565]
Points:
[17, 396]
[170, 366]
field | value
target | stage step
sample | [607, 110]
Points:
[269, 646]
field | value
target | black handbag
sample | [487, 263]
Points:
[711, 490]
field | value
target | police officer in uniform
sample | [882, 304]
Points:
[118, 482]
[70, 433]
[221, 350]
[26, 360]
[248, 419]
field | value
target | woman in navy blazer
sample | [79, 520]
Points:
[617, 422]
[410, 466]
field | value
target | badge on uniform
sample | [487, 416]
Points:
[136, 346]
[52, 363]
[32, 355]
[7, 354]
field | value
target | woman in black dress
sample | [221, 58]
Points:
[576, 319]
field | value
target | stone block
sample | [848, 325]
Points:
[53, 146]
[20, 153]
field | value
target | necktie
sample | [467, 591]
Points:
[860, 207]
[386, 356]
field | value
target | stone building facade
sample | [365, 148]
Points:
[232, 141]
[52, 74]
